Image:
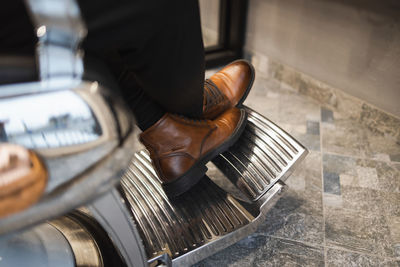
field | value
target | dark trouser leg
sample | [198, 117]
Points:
[158, 41]
[16, 30]
[154, 46]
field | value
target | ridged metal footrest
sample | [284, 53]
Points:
[263, 155]
[207, 218]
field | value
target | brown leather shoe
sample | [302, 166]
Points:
[227, 88]
[180, 147]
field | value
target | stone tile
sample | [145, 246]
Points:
[373, 202]
[326, 115]
[311, 142]
[380, 122]
[298, 214]
[387, 174]
[313, 127]
[348, 106]
[365, 185]
[361, 218]
[260, 250]
[347, 136]
[364, 173]
[345, 258]
[264, 98]
[395, 157]
[295, 109]
[358, 231]
[383, 145]
[295, 218]
[333, 200]
[331, 183]
[361, 187]
[338, 164]
[350, 127]
[394, 228]
[293, 113]
[267, 97]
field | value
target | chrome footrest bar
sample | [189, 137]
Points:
[263, 155]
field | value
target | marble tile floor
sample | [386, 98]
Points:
[343, 203]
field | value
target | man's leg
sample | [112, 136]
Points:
[16, 30]
[155, 51]
[163, 54]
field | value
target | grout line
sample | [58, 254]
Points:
[322, 183]
[297, 241]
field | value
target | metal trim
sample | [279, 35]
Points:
[60, 29]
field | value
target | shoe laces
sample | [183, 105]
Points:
[212, 95]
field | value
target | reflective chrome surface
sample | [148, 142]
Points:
[83, 136]
[60, 29]
[85, 249]
[70, 129]
[62, 242]
[47, 121]
[207, 218]
[42, 246]
[113, 215]
[263, 155]
[82, 132]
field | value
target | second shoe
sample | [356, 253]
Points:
[227, 88]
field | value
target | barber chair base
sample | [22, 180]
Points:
[136, 224]
[211, 217]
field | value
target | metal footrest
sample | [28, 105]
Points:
[207, 218]
[145, 227]
[263, 155]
